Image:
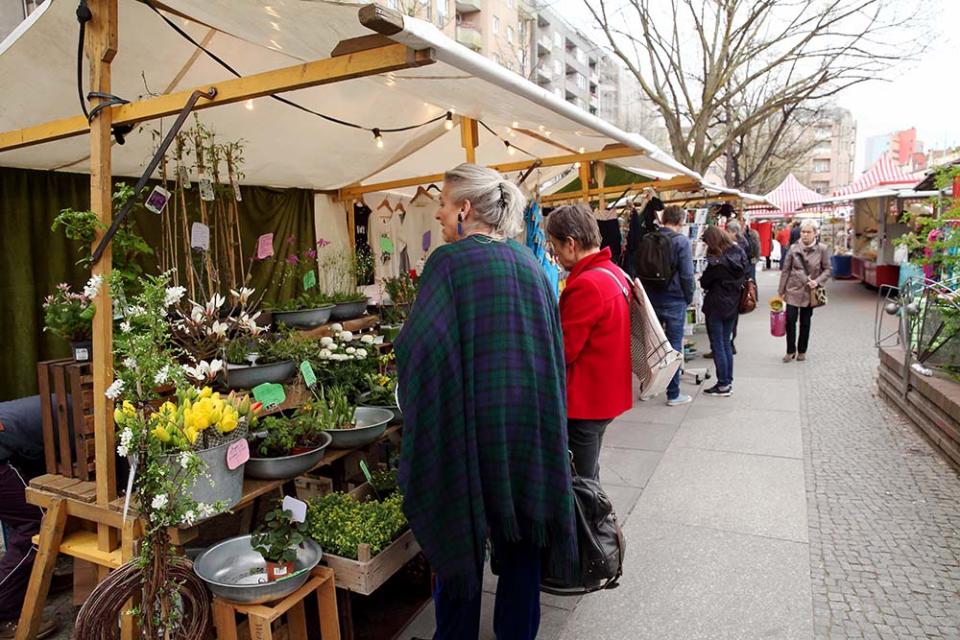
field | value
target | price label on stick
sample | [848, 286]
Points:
[200, 236]
[236, 189]
[309, 280]
[297, 508]
[265, 246]
[270, 394]
[366, 471]
[184, 174]
[206, 189]
[309, 377]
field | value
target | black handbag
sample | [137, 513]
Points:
[600, 542]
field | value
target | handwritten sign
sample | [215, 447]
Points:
[270, 394]
[206, 189]
[237, 453]
[309, 377]
[309, 280]
[200, 236]
[265, 246]
[297, 508]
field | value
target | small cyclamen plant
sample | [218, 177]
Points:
[69, 314]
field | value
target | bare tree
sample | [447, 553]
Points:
[734, 79]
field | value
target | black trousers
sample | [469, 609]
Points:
[795, 344]
[584, 437]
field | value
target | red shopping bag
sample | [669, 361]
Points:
[778, 323]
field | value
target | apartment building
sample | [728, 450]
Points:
[903, 146]
[829, 164]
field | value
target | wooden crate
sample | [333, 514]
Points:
[366, 574]
[66, 407]
[313, 486]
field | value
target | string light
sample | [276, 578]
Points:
[448, 123]
[378, 138]
[249, 104]
[510, 150]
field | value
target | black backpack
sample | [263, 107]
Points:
[599, 540]
[654, 260]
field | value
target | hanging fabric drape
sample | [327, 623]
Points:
[536, 241]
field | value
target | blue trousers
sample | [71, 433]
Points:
[672, 316]
[721, 339]
[516, 614]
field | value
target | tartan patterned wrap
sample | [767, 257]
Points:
[481, 377]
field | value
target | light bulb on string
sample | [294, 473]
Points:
[378, 138]
[448, 122]
[510, 148]
[249, 104]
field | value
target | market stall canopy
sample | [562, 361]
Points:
[787, 198]
[883, 173]
[286, 146]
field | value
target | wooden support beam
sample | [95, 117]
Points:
[311, 74]
[51, 533]
[469, 137]
[680, 183]
[609, 153]
[585, 182]
[600, 171]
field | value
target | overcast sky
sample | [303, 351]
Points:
[925, 94]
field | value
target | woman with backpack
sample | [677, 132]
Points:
[595, 316]
[806, 266]
[723, 278]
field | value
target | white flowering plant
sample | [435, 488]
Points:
[69, 314]
[344, 360]
[202, 329]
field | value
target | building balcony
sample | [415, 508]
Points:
[543, 76]
[542, 20]
[570, 69]
[470, 37]
[544, 45]
[468, 6]
[526, 10]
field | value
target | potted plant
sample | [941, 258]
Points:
[203, 329]
[339, 523]
[382, 388]
[253, 360]
[277, 540]
[348, 426]
[288, 446]
[312, 305]
[70, 315]
[340, 270]
[344, 360]
[395, 305]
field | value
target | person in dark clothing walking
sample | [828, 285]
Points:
[722, 279]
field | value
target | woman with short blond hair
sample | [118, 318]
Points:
[805, 267]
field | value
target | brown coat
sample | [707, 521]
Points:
[793, 279]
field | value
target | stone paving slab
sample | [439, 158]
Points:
[751, 494]
[729, 428]
[627, 467]
[692, 583]
[639, 435]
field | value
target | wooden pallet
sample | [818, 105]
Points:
[66, 407]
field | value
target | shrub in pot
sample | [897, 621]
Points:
[277, 540]
[339, 522]
[69, 314]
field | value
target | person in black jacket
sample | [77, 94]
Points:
[722, 280]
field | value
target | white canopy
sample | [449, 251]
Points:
[285, 146]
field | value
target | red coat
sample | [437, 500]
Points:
[596, 339]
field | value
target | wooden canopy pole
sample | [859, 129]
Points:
[600, 170]
[469, 137]
[585, 182]
[101, 49]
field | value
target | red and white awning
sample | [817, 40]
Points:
[883, 173]
[789, 196]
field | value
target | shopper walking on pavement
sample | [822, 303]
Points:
[670, 301]
[722, 280]
[595, 315]
[783, 240]
[481, 378]
[805, 267]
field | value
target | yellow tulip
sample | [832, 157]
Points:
[216, 396]
[161, 434]
[228, 424]
[215, 416]
[118, 416]
[191, 435]
[206, 392]
[129, 409]
[201, 421]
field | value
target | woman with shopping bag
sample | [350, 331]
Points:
[806, 268]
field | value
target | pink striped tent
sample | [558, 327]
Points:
[883, 173]
[788, 197]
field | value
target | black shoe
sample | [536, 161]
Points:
[734, 348]
[708, 354]
[718, 391]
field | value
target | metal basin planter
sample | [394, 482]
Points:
[370, 425]
[349, 310]
[364, 403]
[234, 571]
[247, 376]
[217, 482]
[304, 317]
[286, 467]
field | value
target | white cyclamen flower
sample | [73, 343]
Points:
[214, 303]
[366, 339]
[326, 341]
[159, 502]
[217, 329]
[162, 375]
[336, 327]
[243, 295]
[173, 295]
[216, 366]
[114, 390]
[130, 363]
[93, 286]
[196, 313]
[125, 327]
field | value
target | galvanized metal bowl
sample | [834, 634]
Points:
[286, 467]
[349, 310]
[364, 401]
[248, 376]
[304, 317]
[370, 425]
[234, 571]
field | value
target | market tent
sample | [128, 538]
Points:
[787, 198]
[286, 146]
[883, 173]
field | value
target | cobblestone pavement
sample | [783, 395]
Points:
[883, 507]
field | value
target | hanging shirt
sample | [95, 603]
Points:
[610, 237]
[361, 233]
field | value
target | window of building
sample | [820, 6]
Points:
[509, 34]
[821, 166]
[496, 25]
[557, 39]
[821, 187]
[823, 133]
[393, 4]
[558, 67]
[442, 12]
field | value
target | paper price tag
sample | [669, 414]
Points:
[386, 244]
[237, 453]
[309, 280]
[265, 246]
[206, 189]
[426, 241]
[270, 394]
[200, 236]
[184, 174]
[297, 508]
[157, 200]
[309, 377]
[236, 189]
[366, 471]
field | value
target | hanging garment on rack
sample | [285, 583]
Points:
[537, 243]
[611, 237]
[384, 236]
[361, 234]
[420, 220]
[640, 224]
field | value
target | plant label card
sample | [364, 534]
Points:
[265, 246]
[425, 244]
[309, 377]
[386, 244]
[200, 236]
[237, 453]
[366, 471]
[157, 200]
[184, 174]
[309, 280]
[297, 508]
[236, 189]
[206, 189]
[270, 394]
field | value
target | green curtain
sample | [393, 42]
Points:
[616, 176]
[33, 259]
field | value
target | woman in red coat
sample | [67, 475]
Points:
[595, 317]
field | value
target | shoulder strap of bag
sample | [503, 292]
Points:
[623, 289]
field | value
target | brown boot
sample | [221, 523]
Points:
[789, 357]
